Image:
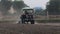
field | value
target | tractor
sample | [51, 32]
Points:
[27, 16]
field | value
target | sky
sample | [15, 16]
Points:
[36, 3]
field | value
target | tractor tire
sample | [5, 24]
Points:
[32, 22]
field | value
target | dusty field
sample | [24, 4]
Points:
[42, 28]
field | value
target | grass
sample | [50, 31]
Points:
[48, 21]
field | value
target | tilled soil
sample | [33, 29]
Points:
[28, 29]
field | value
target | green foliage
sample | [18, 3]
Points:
[5, 6]
[48, 21]
[41, 12]
[53, 7]
[18, 4]
[38, 10]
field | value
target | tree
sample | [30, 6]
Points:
[38, 10]
[18, 5]
[5, 6]
[53, 7]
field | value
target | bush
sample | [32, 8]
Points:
[48, 21]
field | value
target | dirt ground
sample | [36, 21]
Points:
[42, 28]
